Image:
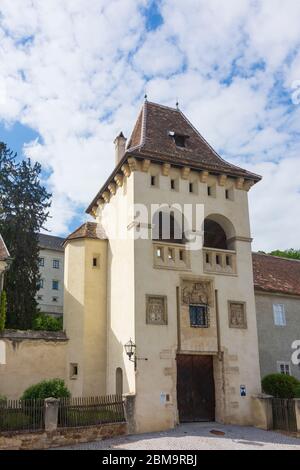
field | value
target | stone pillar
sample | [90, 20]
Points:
[297, 411]
[262, 411]
[51, 414]
[129, 406]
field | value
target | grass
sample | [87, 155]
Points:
[73, 418]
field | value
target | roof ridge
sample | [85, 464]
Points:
[208, 144]
[162, 106]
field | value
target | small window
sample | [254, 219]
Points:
[153, 181]
[227, 193]
[180, 140]
[41, 261]
[284, 368]
[40, 284]
[172, 184]
[209, 190]
[96, 262]
[73, 371]
[207, 258]
[279, 315]
[55, 264]
[191, 188]
[55, 285]
[54, 299]
[198, 316]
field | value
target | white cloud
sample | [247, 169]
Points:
[77, 76]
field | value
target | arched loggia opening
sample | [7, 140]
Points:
[219, 233]
[167, 227]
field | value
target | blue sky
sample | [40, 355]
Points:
[71, 78]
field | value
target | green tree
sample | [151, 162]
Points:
[3, 307]
[24, 204]
[291, 253]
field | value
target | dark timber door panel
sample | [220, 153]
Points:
[195, 388]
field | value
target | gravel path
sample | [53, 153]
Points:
[198, 436]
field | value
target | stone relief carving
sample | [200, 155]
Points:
[237, 315]
[199, 292]
[156, 310]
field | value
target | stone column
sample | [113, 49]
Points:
[129, 406]
[297, 411]
[262, 411]
[51, 414]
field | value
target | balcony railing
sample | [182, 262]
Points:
[171, 256]
[219, 261]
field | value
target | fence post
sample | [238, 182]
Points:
[297, 412]
[262, 411]
[51, 414]
[129, 408]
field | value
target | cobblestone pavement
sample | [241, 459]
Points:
[199, 436]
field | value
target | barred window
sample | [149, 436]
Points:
[199, 316]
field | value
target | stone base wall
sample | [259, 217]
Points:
[60, 437]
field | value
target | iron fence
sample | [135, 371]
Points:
[89, 411]
[21, 415]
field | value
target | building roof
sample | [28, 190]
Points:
[275, 274]
[151, 140]
[50, 242]
[4, 253]
[151, 137]
[87, 230]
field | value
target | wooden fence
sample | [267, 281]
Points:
[284, 414]
[88, 411]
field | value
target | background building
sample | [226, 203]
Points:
[4, 261]
[50, 296]
[277, 297]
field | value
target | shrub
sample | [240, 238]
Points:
[47, 323]
[297, 391]
[3, 308]
[280, 385]
[55, 388]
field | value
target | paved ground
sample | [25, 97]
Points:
[198, 436]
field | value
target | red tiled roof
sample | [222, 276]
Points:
[87, 230]
[4, 253]
[151, 139]
[274, 274]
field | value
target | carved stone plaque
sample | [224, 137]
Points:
[156, 310]
[237, 315]
[196, 293]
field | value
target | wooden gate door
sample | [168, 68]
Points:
[284, 414]
[195, 388]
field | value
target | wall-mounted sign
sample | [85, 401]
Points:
[243, 392]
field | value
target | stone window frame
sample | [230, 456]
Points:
[237, 327]
[164, 321]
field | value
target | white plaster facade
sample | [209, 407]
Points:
[50, 296]
[131, 275]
